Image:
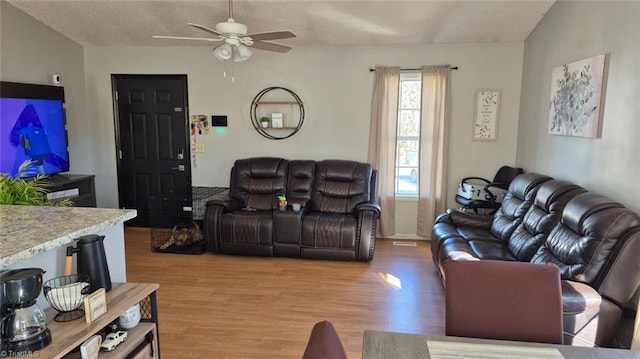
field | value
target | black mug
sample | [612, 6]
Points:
[92, 261]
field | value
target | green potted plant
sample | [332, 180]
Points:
[20, 191]
[264, 122]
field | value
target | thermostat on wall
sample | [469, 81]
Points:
[218, 121]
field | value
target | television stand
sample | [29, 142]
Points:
[61, 177]
[80, 189]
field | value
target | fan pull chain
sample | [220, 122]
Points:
[233, 77]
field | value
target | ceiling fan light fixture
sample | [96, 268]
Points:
[231, 27]
[233, 41]
[242, 53]
[223, 52]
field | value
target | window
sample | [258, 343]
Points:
[408, 138]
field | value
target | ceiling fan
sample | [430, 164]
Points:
[234, 42]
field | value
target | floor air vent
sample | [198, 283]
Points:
[405, 244]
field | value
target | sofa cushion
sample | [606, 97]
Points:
[542, 216]
[515, 204]
[473, 227]
[478, 234]
[321, 230]
[248, 228]
[491, 250]
[590, 229]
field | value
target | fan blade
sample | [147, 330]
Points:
[204, 28]
[270, 46]
[186, 38]
[271, 35]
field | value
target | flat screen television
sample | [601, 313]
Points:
[32, 127]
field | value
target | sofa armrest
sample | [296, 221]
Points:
[367, 215]
[215, 208]
[465, 219]
[369, 206]
[228, 203]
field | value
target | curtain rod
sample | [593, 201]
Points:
[452, 68]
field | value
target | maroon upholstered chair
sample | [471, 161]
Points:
[503, 300]
[324, 343]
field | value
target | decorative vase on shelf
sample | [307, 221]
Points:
[264, 122]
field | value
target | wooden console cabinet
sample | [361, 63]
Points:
[85, 184]
[67, 336]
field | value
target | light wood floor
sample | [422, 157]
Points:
[222, 306]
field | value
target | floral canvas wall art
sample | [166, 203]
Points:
[575, 107]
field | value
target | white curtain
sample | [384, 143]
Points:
[434, 134]
[382, 142]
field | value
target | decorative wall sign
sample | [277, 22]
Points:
[575, 107]
[485, 119]
[95, 305]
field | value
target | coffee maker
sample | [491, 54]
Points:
[23, 327]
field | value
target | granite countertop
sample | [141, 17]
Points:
[26, 231]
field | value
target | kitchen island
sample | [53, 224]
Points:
[33, 236]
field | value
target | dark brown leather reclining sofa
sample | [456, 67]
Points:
[594, 241]
[337, 220]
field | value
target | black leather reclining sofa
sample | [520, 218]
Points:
[337, 220]
[593, 240]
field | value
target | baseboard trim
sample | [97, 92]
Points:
[407, 237]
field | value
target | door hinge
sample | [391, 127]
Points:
[119, 154]
[116, 95]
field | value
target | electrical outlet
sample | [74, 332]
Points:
[200, 148]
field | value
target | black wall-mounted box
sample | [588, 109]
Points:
[218, 121]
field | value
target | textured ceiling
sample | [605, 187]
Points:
[133, 22]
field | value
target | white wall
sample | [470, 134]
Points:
[336, 87]
[31, 52]
[334, 82]
[572, 31]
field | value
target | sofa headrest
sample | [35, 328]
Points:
[259, 167]
[257, 182]
[595, 215]
[550, 191]
[341, 185]
[344, 171]
[525, 183]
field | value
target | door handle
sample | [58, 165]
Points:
[179, 168]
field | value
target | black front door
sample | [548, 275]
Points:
[152, 140]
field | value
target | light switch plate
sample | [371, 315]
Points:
[200, 148]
